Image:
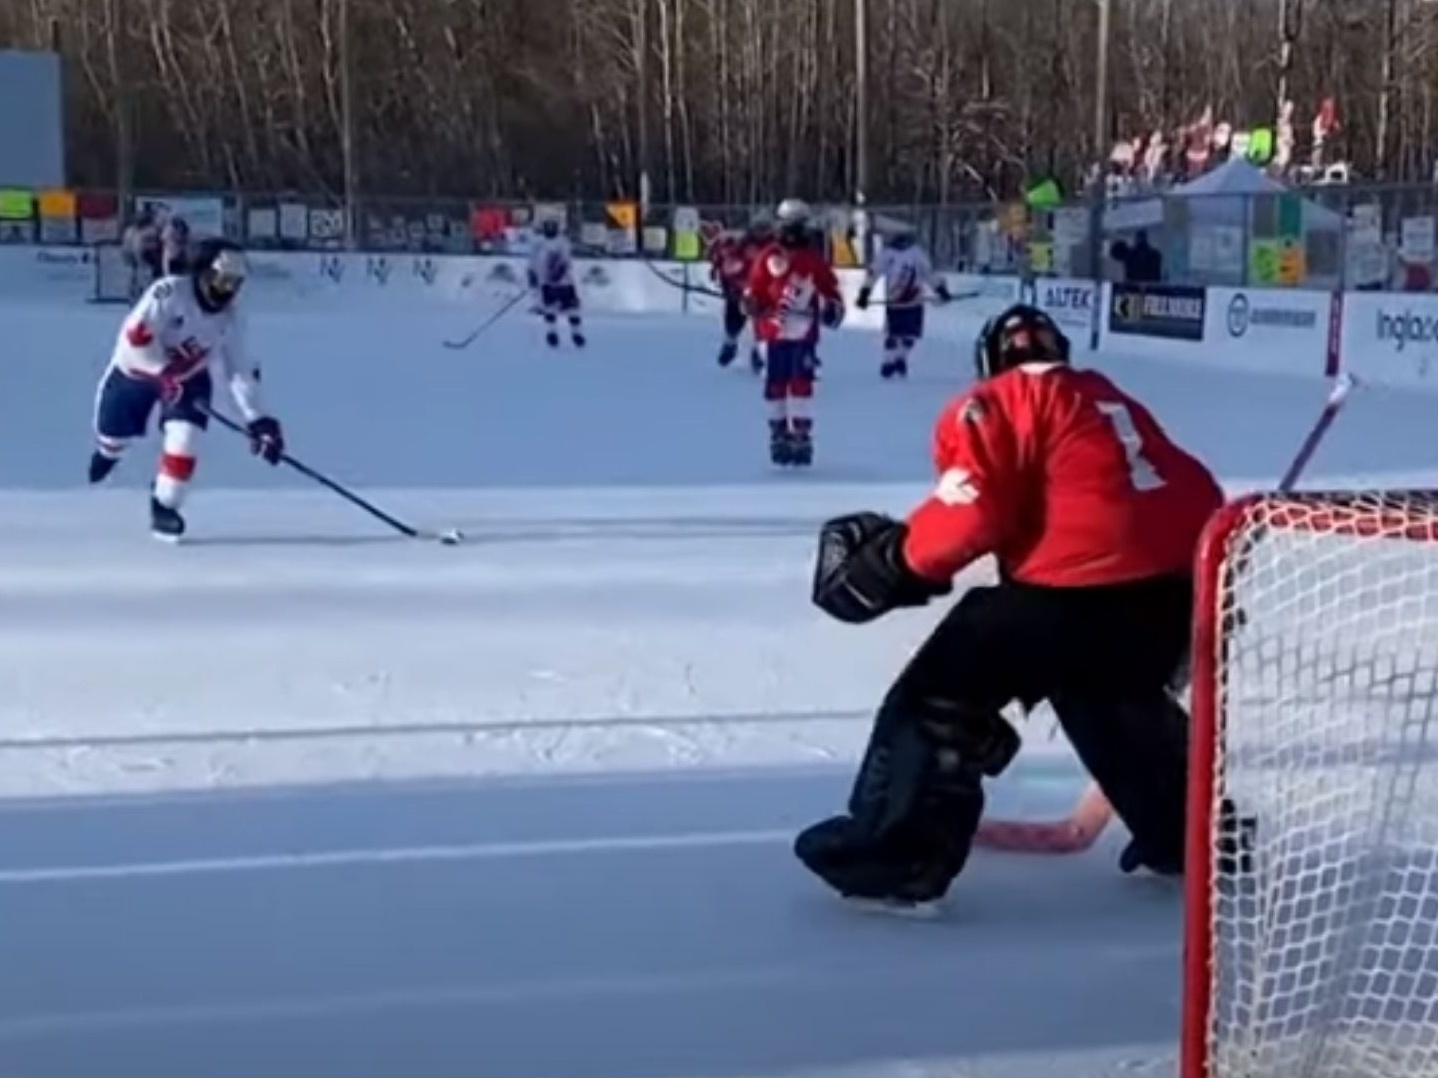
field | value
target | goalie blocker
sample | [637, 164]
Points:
[1092, 613]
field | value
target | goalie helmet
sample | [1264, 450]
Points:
[219, 270]
[1021, 334]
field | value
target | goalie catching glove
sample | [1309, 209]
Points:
[860, 573]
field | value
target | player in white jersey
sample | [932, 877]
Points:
[551, 274]
[907, 273]
[183, 333]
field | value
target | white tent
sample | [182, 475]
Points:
[1218, 197]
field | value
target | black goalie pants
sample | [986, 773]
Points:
[1103, 657]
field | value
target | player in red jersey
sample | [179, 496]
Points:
[792, 290]
[731, 259]
[1093, 515]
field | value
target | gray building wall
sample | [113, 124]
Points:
[32, 121]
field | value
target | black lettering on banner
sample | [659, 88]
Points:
[333, 267]
[503, 272]
[426, 269]
[1398, 329]
[1174, 312]
[596, 276]
[377, 266]
[1243, 313]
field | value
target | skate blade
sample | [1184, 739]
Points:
[907, 911]
[165, 537]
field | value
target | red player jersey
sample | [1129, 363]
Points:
[785, 291]
[1065, 478]
[730, 260]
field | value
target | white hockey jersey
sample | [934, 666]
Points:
[552, 262]
[906, 273]
[169, 337]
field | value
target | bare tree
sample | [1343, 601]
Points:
[721, 100]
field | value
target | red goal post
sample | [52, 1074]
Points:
[1311, 930]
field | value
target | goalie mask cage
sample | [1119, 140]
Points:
[1311, 938]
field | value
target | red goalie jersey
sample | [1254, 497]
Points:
[1066, 479]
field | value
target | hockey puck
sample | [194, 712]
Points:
[453, 537]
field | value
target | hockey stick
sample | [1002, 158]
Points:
[1093, 812]
[469, 338]
[449, 538]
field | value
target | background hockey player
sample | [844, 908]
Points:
[1093, 515]
[792, 291]
[908, 276]
[551, 275]
[141, 249]
[174, 246]
[182, 333]
[731, 260]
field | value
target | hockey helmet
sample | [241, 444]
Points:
[219, 270]
[549, 227]
[793, 215]
[1021, 334]
[792, 211]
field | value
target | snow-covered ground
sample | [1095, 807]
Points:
[301, 797]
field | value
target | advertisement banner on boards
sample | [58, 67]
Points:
[1391, 338]
[1270, 330]
[1068, 301]
[1173, 312]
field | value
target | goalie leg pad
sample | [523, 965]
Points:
[1136, 749]
[912, 815]
[860, 573]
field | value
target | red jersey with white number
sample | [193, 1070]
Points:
[1065, 479]
[787, 288]
[730, 260]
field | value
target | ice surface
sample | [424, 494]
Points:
[300, 797]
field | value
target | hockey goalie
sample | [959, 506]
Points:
[1093, 515]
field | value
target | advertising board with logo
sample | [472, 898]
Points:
[1171, 312]
[1279, 330]
[1068, 301]
[1391, 338]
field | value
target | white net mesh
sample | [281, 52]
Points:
[1325, 935]
[116, 280]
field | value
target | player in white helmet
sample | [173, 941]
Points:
[183, 333]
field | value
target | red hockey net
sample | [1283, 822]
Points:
[1312, 923]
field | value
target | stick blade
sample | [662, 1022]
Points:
[1073, 835]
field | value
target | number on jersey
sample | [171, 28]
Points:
[1141, 473]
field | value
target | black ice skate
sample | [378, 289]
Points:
[578, 339]
[727, 351]
[801, 446]
[101, 466]
[165, 523]
[756, 361]
[552, 338]
[781, 443]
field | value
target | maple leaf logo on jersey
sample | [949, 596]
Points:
[956, 487]
[778, 265]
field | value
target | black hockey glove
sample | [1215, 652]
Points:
[831, 314]
[860, 573]
[266, 439]
[861, 301]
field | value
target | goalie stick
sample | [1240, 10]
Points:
[1093, 813]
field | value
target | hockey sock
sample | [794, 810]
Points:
[177, 463]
